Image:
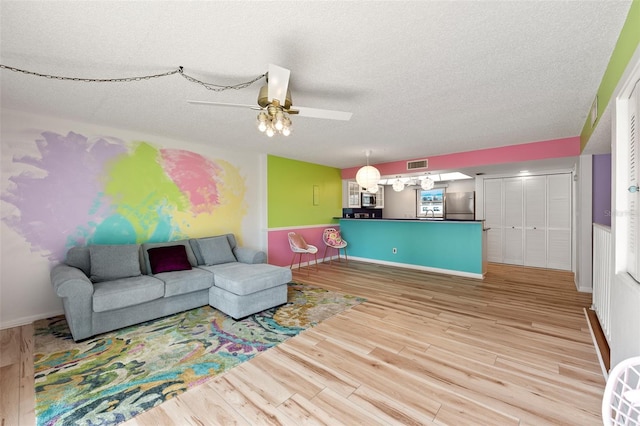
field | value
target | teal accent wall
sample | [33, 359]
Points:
[454, 246]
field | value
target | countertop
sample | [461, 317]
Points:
[412, 219]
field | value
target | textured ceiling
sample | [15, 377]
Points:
[421, 78]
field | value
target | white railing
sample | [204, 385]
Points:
[602, 273]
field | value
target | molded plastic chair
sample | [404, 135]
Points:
[332, 239]
[299, 246]
[621, 400]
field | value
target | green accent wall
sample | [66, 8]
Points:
[290, 193]
[625, 47]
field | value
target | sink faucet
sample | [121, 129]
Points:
[433, 214]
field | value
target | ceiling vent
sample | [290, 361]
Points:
[417, 164]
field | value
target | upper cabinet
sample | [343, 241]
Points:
[353, 194]
[380, 197]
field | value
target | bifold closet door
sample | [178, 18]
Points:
[513, 218]
[493, 219]
[535, 217]
[559, 222]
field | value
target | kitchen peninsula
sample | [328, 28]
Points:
[445, 246]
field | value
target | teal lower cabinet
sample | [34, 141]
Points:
[450, 247]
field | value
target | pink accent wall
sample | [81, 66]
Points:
[567, 147]
[280, 254]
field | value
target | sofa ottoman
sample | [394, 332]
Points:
[241, 289]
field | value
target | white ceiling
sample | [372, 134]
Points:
[421, 78]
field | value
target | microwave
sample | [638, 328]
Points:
[368, 200]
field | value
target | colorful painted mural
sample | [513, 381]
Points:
[79, 190]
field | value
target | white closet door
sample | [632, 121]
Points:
[493, 213]
[559, 221]
[559, 249]
[513, 218]
[535, 209]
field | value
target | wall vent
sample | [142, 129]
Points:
[417, 164]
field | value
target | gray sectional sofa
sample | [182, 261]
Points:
[106, 287]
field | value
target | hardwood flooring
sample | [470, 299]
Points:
[512, 349]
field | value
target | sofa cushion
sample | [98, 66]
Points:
[168, 258]
[243, 279]
[112, 262]
[215, 250]
[147, 246]
[196, 247]
[79, 257]
[182, 282]
[116, 294]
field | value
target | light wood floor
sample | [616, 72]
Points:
[513, 349]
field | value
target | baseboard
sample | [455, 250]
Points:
[599, 341]
[28, 320]
[420, 268]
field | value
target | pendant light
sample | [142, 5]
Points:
[368, 176]
[398, 185]
[427, 183]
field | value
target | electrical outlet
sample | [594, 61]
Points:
[394, 250]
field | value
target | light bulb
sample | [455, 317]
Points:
[286, 131]
[279, 120]
[262, 121]
[270, 131]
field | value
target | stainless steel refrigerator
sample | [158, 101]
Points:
[460, 205]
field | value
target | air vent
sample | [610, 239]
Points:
[417, 164]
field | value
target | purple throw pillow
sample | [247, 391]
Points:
[168, 258]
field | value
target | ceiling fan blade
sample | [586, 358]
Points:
[322, 113]
[256, 107]
[278, 83]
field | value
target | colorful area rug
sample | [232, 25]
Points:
[113, 377]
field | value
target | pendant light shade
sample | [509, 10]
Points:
[427, 184]
[398, 185]
[367, 177]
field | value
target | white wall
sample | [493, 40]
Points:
[25, 289]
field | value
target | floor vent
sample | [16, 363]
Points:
[417, 164]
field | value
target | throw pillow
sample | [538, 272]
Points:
[168, 258]
[334, 238]
[112, 262]
[216, 250]
[299, 242]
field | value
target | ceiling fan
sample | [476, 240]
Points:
[274, 102]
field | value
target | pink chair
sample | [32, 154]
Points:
[332, 239]
[299, 247]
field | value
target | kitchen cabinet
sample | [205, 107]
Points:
[380, 197]
[530, 220]
[353, 194]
